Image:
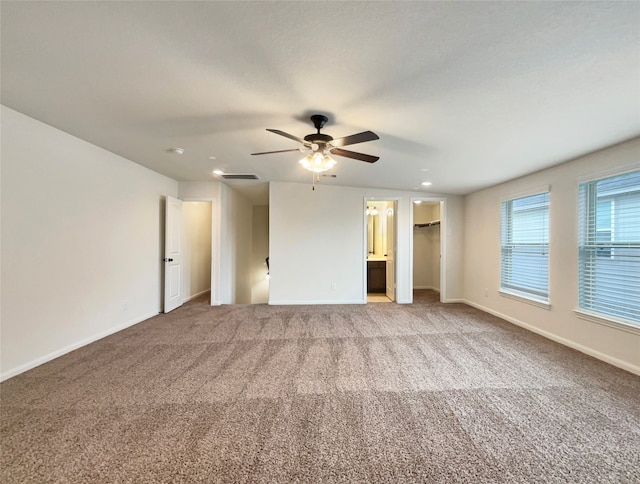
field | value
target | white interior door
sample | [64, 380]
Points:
[391, 251]
[173, 254]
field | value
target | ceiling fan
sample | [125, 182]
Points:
[319, 146]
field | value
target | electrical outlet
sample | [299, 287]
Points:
[125, 306]
[486, 292]
[334, 286]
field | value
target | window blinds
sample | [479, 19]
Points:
[525, 246]
[609, 246]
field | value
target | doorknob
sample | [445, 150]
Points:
[167, 260]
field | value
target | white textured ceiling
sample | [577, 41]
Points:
[462, 94]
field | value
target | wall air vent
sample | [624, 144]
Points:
[237, 176]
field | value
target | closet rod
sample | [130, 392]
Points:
[428, 224]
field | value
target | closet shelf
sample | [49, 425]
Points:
[427, 224]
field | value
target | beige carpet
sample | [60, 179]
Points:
[376, 393]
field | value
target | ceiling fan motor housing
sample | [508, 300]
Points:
[318, 138]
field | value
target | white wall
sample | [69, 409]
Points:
[318, 238]
[315, 240]
[453, 225]
[482, 259]
[237, 226]
[196, 259]
[82, 235]
[259, 252]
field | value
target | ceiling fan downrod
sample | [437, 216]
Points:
[319, 120]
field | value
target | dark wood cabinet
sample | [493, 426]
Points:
[376, 276]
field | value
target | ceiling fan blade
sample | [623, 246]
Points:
[355, 138]
[290, 136]
[269, 152]
[354, 155]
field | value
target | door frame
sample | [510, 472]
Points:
[443, 244]
[365, 248]
[393, 251]
[215, 246]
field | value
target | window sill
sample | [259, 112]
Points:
[522, 298]
[610, 321]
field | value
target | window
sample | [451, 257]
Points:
[603, 227]
[609, 247]
[525, 247]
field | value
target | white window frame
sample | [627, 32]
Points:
[588, 313]
[514, 293]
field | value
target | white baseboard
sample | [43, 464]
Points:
[558, 339]
[67, 349]
[206, 291]
[314, 302]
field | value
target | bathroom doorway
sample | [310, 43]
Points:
[381, 250]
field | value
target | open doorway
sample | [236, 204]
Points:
[381, 250]
[427, 251]
[196, 280]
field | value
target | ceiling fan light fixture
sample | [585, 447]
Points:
[317, 162]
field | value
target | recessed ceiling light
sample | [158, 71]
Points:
[417, 202]
[424, 169]
[426, 184]
[218, 172]
[176, 151]
[212, 157]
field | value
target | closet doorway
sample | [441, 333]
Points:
[427, 251]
